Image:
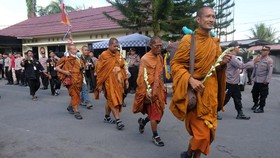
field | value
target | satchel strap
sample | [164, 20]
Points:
[192, 55]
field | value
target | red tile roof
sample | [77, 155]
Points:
[84, 20]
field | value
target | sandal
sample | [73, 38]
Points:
[109, 120]
[120, 125]
[141, 125]
[123, 104]
[157, 141]
[89, 106]
[78, 115]
[34, 99]
[70, 109]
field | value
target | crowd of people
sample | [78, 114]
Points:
[112, 74]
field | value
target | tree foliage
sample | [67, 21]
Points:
[223, 17]
[183, 14]
[261, 31]
[31, 8]
[53, 8]
[139, 14]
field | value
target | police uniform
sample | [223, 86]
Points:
[33, 68]
[18, 70]
[44, 78]
[232, 81]
[133, 67]
[8, 69]
[54, 81]
[261, 76]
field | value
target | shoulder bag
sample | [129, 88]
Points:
[192, 99]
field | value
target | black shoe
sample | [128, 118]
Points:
[70, 109]
[242, 117]
[259, 110]
[141, 125]
[255, 107]
[78, 116]
[185, 155]
[157, 141]
[120, 125]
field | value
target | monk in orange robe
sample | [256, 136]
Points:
[152, 103]
[201, 122]
[71, 65]
[111, 75]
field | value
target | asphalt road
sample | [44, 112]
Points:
[44, 129]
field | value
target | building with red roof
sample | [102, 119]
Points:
[88, 26]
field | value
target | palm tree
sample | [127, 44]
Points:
[31, 8]
[261, 31]
[53, 8]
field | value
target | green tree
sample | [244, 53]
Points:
[31, 8]
[261, 31]
[139, 14]
[183, 14]
[224, 18]
[53, 8]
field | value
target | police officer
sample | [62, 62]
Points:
[43, 61]
[261, 76]
[233, 78]
[133, 66]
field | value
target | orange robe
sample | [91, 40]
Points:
[111, 74]
[206, 53]
[154, 66]
[75, 65]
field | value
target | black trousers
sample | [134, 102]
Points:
[45, 80]
[125, 91]
[232, 90]
[34, 85]
[89, 80]
[260, 93]
[9, 75]
[24, 79]
[55, 84]
[132, 80]
[2, 70]
[19, 75]
[249, 74]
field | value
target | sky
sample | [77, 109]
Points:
[247, 13]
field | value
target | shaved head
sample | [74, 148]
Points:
[113, 40]
[154, 39]
[113, 45]
[199, 12]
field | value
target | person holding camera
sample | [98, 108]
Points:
[32, 68]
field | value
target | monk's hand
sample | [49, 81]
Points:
[226, 59]
[149, 96]
[196, 85]
[67, 73]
